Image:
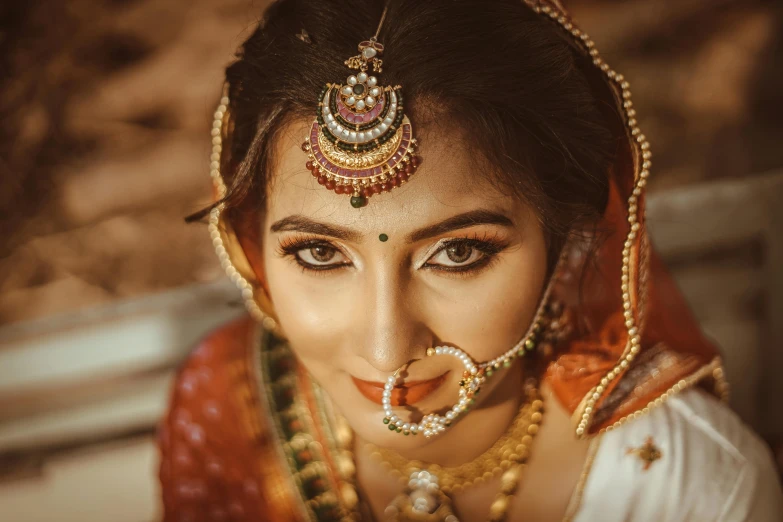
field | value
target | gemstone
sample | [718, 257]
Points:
[386, 419]
[358, 89]
[368, 52]
[384, 238]
[358, 202]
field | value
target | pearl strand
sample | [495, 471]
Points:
[635, 214]
[215, 234]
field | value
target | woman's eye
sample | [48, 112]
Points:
[456, 255]
[321, 256]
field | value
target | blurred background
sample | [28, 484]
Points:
[104, 114]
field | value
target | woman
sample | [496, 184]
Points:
[456, 311]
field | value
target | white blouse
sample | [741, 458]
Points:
[690, 459]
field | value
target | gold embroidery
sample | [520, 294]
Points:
[647, 452]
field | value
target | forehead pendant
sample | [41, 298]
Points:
[361, 143]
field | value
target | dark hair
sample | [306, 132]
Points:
[510, 76]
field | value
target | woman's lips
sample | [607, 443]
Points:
[406, 394]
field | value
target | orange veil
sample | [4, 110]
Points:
[636, 341]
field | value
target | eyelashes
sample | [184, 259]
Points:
[464, 256]
[312, 253]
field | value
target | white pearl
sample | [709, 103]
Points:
[438, 350]
[352, 80]
[351, 100]
[393, 98]
[352, 137]
[329, 118]
[375, 91]
[473, 370]
[372, 81]
[346, 90]
[388, 121]
[370, 101]
[361, 137]
[406, 426]
[361, 77]
[414, 428]
[450, 415]
[360, 104]
[375, 133]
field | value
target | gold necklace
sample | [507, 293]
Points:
[508, 455]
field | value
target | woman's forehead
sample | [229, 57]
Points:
[448, 182]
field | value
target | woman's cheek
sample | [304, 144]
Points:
[489, 315]
[314, 317]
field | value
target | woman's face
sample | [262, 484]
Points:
[446, 259]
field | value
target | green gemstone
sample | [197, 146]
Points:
[358, 89]
[506, 363]
[521, 352]
[358, 201]
[489, 373]
[530, 344]
[399, 430]
[392, 427]
[406, 432]
[383, 237]
[386, 420]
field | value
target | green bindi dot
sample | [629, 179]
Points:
[383, 237]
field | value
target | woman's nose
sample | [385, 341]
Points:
[393, 332]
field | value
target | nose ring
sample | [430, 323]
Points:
[433, 424]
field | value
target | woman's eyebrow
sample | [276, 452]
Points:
[300, 223]
[464, 220]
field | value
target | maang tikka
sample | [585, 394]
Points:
[361, 142]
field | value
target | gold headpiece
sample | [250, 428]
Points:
[361, 142]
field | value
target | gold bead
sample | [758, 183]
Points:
[532, 429]
[498, 508]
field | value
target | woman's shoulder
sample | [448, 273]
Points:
[691, 458]
[210, 440]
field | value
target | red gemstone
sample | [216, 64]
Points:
[415, 161]
[321, 180]
[305, 146]
[376, 189]
[310, 165]
[409, 168]
[339, 189]
[329, 184]
[316, 172]
[366, 192]
[402, 176]
[386, 186]
[395, 182]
